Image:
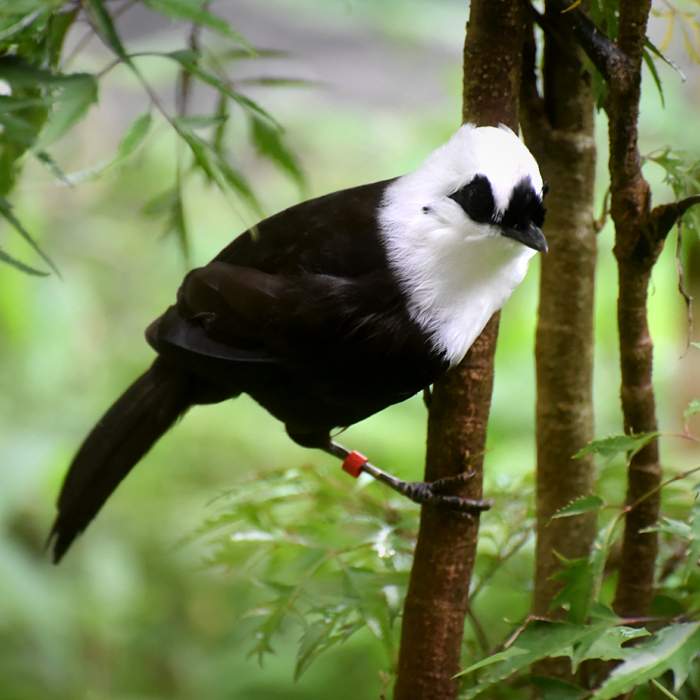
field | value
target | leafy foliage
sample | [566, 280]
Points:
[329, 581]
[42, 102]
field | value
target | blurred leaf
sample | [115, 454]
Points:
[557, 689]
[7, 213]
[538, 640]
[132, 139]
[649, 61]
[577, 589]
[615, 444]
[107, 30]
[693, 554]
[135, 136]
[194, 11]
[189, 60]
[692, 409]
[585, 504]
[78, 93]
[673, 648]
[199, 121]
[269, 143]
[6, 258]
[605, 645]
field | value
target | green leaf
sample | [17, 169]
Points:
[577, 591]
[193, 11]
[189, 61]
[7, 213]
[269, 143]
[135, 135]
[133, 138]
[106, 29]
[673, 648]
[613, 445]
[585, 504]
[556, 689]
[693, 554]
[649, 61]
[605, 645]
[78, 93]
[7, 258]
[539, 640]
[692, 409]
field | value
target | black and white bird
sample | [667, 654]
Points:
[331, 311]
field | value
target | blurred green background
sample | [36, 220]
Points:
[131, 613]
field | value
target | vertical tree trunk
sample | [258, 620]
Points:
[437, 598]
[636, 253]
[559, 130]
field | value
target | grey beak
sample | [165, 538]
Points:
[531, 236]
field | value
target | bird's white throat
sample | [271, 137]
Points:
[454, 287]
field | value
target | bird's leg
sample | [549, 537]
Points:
[428, 493]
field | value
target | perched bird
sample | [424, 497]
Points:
[331, 311]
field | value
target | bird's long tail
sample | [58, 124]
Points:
[119, 440]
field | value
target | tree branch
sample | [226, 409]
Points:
[663, 217]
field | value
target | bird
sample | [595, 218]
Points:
[330, 311]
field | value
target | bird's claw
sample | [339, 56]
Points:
[433, 494]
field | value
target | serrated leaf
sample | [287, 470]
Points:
[194, 11]
[673, 648]
[538, 641]
[605, 645]
[613, 445]
[577, 577]
[585, 504]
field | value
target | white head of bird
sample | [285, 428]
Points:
[460, 230]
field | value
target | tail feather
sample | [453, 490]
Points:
[119, 440]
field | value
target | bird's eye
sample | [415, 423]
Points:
[476, 198]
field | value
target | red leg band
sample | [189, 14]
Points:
[353, 463]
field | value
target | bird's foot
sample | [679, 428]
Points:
[435, 493]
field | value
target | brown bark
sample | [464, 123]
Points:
[559, 129]
[639, 238]
[437, 598]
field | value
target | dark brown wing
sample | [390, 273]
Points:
[308, 302]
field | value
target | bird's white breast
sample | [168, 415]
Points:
[454, 287]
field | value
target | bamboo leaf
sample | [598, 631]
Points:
[7, 258]
[649, 61]
[194, 11]
[189, 61]
[7, 213]
[106, 29]
[78, 93]
[269, 144]
[135, 135]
